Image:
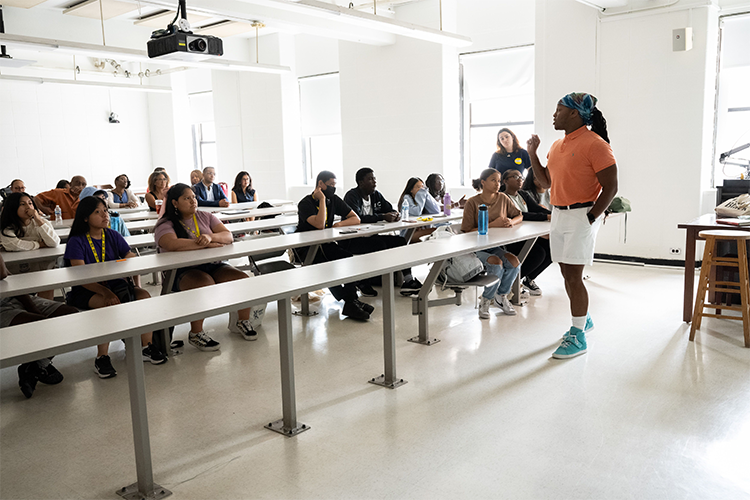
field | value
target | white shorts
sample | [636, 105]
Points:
[572, 236]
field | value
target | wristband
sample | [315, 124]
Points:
[591, 217]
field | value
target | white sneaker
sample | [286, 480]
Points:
[484, 308]
[244, 327]
[503, 303]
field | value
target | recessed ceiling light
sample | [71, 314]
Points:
[109, 9]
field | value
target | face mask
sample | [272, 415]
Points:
[329, 192]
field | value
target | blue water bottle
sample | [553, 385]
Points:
[483, 219]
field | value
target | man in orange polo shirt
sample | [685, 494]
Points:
[582, 172]
[67, 198]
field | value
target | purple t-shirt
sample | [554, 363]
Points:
[206, 220]
[115, 248]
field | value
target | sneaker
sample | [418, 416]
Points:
[532, 287]
[367, 290]
[354, 311]
[411, 287]
[503, 303]
[152, 354]
[484, 307]
[202, 341]
[49, 374]
[364, 306]
[586, 329]
[573, 344]
[244, 328]
[176, 344]
[103, 367]
[27, 378]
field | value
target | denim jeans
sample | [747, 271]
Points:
[505, 272]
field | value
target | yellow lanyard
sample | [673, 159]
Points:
[197, 232]
[93, 250]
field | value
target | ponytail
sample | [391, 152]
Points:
[599, 124]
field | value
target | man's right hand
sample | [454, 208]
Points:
[532, 144]
[391, 216]
[318, 195]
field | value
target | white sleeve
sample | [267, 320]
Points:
[13, 244]
[48, 234]
[111, 201]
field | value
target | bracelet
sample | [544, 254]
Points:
[591, 217]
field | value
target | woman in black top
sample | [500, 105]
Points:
[243, 191]
[539, 257]
[509, 154]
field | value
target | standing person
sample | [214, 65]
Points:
[498, 261]
[538, 259]
[25, 309]
[582, 172]
[67, 198]
[121, 196]
[535, 190]
[316, 212]
[371, 206]
[195, 177]
[509, 154]
[184, 228]
[243, 191]
[158, 185]
[91, 242]
[208, 193]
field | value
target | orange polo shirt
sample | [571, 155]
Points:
[61, 196]
[573, 163]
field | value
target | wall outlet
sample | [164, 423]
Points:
[675, 251]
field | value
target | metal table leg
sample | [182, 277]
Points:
[145, 488]
[287, 425]
[423, 306]
[304, 299]
[516, 288]
[388, 379]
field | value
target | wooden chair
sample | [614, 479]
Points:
[711, 259]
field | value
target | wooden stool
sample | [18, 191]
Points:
[705, 284]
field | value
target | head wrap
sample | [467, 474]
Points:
[582, 102]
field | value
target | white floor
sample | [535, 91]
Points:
[486, 413]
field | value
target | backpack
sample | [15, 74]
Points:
[458, 269]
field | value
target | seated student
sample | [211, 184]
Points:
[158, 185]
[62, 184]
[22, 228]
[91, 241]
[498, 261]
[121, 196]
[532, 187]
[539, 258]
[67, 198]
[25, 309]
[183, 228]
[195, 177]
[370, 206]
[420, 203]
[436, 187]
[17, 186]
[208, 193]
[243, 191]
[316, 211]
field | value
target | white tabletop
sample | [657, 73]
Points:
[111, 323]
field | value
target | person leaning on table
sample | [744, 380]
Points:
[183, 228]
[582, 172]
[498, 261]
[67, 198]
[316, 212]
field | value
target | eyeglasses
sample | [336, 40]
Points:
[516, 177]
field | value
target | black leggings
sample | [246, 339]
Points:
[375, 243]
[326, 253]
[537, 260]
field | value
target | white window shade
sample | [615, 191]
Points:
[320, 105]
[498, 75]
[202, 107]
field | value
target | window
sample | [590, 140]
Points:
[204, 145]
[497, 90]
[732, 130]
[320, 114]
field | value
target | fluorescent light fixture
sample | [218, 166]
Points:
[9, 62]
[109, 9]
[125, 54]
[60, 81]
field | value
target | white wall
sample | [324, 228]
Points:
[49, 132]
[658, 103]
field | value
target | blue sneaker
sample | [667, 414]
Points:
[573, 344]
[586, 329]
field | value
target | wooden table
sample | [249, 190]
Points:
[702, 223]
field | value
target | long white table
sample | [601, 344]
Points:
[240, 209]
[24, 343]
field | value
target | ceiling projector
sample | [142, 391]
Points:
[178, 42]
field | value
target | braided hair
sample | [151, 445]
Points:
[599, 124]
